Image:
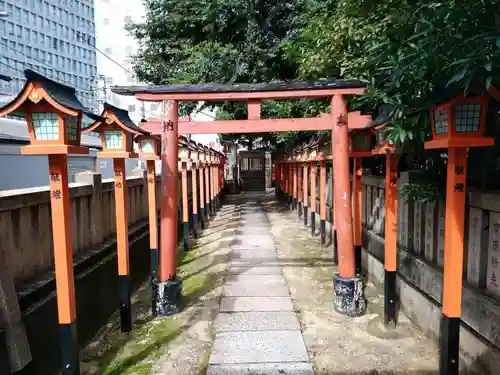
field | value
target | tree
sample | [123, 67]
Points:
[219, 41]
[409, 52]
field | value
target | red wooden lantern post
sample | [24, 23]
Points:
[150, 151]
[201, 169]
[456, 126]
[169, 285]
[54, 116]
[348, 286]
[314, 170]
[299, 183]
[290, 183]
[295, 183]
[195, 160]
[117, 138]
[322, 201]
[384, 147]
[323, 150]
[213, 179]
[360, 145]
[305, 180]
[185, 162]
[208, 200]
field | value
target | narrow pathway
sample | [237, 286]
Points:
[257, 330]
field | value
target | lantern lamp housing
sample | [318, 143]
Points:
[53, 114]
[459, 122]
[360, 143]
[149, 146]
[195, 152]
[383, 144]
[117, 133]
[184, 149]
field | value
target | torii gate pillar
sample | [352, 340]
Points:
[169, 286]
[348, 286]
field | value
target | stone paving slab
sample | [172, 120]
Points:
[299, 368]
[256, 279]
[258, 347]
[257, 321]
[240, 268]
[255, 253]
[255, 290]
[235, 304]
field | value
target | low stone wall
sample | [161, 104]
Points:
[26, 238]
[420, 262]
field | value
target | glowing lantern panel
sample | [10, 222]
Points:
[113, 139]
[45, 126]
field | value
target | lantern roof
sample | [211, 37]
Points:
[123, 116]
[60, 96]
[122, 119]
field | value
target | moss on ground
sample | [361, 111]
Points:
[135, 353]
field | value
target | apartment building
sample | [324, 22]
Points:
[55, 38]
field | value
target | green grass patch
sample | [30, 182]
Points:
[135, 353]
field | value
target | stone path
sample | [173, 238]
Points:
[257, 329]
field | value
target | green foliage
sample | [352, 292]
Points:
[408, 51]
[224, 41]
[412, 53]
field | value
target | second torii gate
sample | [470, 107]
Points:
[347, 284]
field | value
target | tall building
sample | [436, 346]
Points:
[114, 65]
[54, 37]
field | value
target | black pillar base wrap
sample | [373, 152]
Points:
[305, 215]
[202, 217]
[335, 248]
[313, 223]
[69, 348]
[348, 296]
[154, 258]
[357, 258]
[125, 304]
[195, 225]
[390, 298]
[169, 297]
[185, 231]
[449, 346]
[322, 231]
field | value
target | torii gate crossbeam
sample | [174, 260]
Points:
[323, 122]
[347, 285]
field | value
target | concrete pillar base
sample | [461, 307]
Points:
[348, 295]
[169, 297]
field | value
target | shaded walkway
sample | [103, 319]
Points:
[257, 330]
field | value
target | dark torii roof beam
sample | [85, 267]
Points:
[243, 91]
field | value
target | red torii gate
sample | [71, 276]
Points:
[348, 285]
